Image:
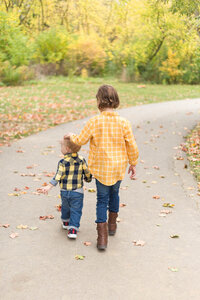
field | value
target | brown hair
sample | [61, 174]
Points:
[107, 97]
[68, 143]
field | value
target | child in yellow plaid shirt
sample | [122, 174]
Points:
[112, 146]
[71, 172]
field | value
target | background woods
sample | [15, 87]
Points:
[137, 40]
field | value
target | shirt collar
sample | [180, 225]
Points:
[70, 155]
[109, 113]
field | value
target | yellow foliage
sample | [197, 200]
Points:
[170, 67]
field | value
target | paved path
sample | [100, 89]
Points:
[40, 264]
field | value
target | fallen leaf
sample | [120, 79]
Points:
[20, 151]
[122, 204]
[79, 257]
[168, 205]
[44, 184]
[139, 243]
[156, 167]
[118, 220]
[58, 207]
[26, 188]
[30, 167]
[14, 194]
[21, 226]
[156, 197]
[173, 269]
[154, 181]
[46, 217]
[144, 181]
[124, 187]
[16, 189]
[175, 236]
[166, 211]
[162, 176]
[14, 235]
[87, 243]
[33, 228]
[190, 188]
[91, 190]
[6, 225]
[179, 158]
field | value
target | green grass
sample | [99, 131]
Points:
[41, 104]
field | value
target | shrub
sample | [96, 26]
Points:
[85, 52]
[51, 46]
[12, 75]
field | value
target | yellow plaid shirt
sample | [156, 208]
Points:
[112, 146]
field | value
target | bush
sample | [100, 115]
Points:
[51, 46]
[86, 53]
[12, 75]
[14, 45]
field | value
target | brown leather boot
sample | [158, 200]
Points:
[102, 238]
[112, 225]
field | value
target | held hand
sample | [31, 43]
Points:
[44, 190]
[132, 170]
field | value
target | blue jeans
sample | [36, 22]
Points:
[107, 199]
[71, 209]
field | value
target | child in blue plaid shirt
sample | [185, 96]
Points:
[71, 171]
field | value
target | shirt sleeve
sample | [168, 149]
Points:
[60, 170]
[84, 136]
[131, 146]
[86, 173]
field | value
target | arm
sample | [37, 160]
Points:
[54, 181]
[132, 149]
[86, 172]
[84, 136]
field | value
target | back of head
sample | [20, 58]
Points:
[73, 147]
[107, 97]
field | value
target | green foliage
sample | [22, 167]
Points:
[144, 40]
[14, 45]
[85, 52]
[51, 46]
[12, 75]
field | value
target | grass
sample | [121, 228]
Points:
[39, 105]
[193, 152]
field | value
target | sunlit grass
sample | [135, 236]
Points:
[54, 100]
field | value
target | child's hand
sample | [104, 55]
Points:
[44, 190]
[132, 170]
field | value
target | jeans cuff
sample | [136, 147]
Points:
[65, 220]
[73, 227]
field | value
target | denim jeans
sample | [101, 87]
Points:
[107, 199]
[71, 209]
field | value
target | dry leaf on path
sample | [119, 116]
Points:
[168, 205]
[14, 194]
[21, 226]
[46, 217]
[14, 235]
[156, 167]
[124, 187]
[166, 211]
[58, 207]
[139, 243]
[174, 236]
[33, 228]
[79, 257]
[122, 205]
[5, 225]
[156, 197]
[87, 243]
[173, 269]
